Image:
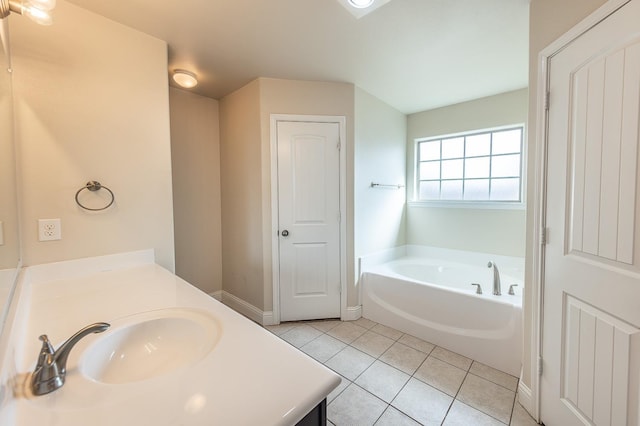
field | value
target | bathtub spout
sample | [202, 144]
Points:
[496, 278]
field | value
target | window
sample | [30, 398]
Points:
[479, 167]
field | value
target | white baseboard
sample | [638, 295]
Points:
[525, 398]
[242, 307]
[353, 313]
[267, 318]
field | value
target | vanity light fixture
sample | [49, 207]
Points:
[37, 10]
[185, 78]
[361, 4]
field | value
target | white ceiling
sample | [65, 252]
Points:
[413, 54]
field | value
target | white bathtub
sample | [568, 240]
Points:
[428, 294]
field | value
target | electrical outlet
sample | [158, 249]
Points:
[49, 229]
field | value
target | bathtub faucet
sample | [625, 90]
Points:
[51, 368]
[496, 278]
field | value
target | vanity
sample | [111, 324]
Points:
[172, 355]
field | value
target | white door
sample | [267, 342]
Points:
[591, 298]
[309, 219]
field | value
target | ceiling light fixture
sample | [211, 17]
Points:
[360, 8]
[185, 78]
[361, 4]
[38, 10]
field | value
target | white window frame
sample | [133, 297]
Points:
[473, 204]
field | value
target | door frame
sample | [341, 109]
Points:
[531, 397]
[275, 250]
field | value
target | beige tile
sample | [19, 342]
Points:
[487, 397]
[347, 332]
[416, 343]
[325, 325]
[520, 417]
[323, 348]
[382, 380]
[422, 402]
[441, 375]
[280, 329]
[301, 335]
[452, 358]
[355, 406]
[366, 323]
[389, 332]
[338, 390]
[496, 376]
[462, 415]
[403, 358]
[350, 362]
[372, 343]
[393, 417]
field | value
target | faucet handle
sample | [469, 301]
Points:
[511, 292]
[46, 351]
[478, 289]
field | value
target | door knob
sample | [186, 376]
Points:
[285, 233]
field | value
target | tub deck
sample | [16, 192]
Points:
[484, 327]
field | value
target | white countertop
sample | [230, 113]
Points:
[250, 377]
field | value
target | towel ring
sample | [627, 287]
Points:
[94, 185]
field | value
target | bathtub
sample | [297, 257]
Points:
[427, 292]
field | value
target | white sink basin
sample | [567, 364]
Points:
[149, 345]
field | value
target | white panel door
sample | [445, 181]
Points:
[591, 312]
[309, 219]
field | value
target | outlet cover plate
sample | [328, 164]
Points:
[49, 229]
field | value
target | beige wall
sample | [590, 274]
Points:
[548, 20]
[195, 160]
[304, 98]
[91, 103]
[491, 231]
[242, 209]
[245, 155]
[380, 156]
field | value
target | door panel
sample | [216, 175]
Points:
[604, 103]
[591, 312]
[308, 213]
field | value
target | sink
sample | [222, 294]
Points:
[151, 344]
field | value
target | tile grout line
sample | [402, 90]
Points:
[411, 376]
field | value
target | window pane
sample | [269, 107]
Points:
[505, 166]
[453, 148]
[505, 189]
[451, 190]
[476, 189]
[506, 142]
[476, 167]
[452, 169]
[478, 145]
[430, 190]
[430, 170]
[429, 151]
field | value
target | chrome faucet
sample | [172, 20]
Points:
[51, 367]
[496, 278]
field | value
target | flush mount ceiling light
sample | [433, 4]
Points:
[361, 4]
[360, 8]
[38, 10]
[185, 78]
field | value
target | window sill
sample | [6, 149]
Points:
[485, 205]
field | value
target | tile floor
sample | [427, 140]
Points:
[392, 378]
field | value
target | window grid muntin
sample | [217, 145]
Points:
[464, 178]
